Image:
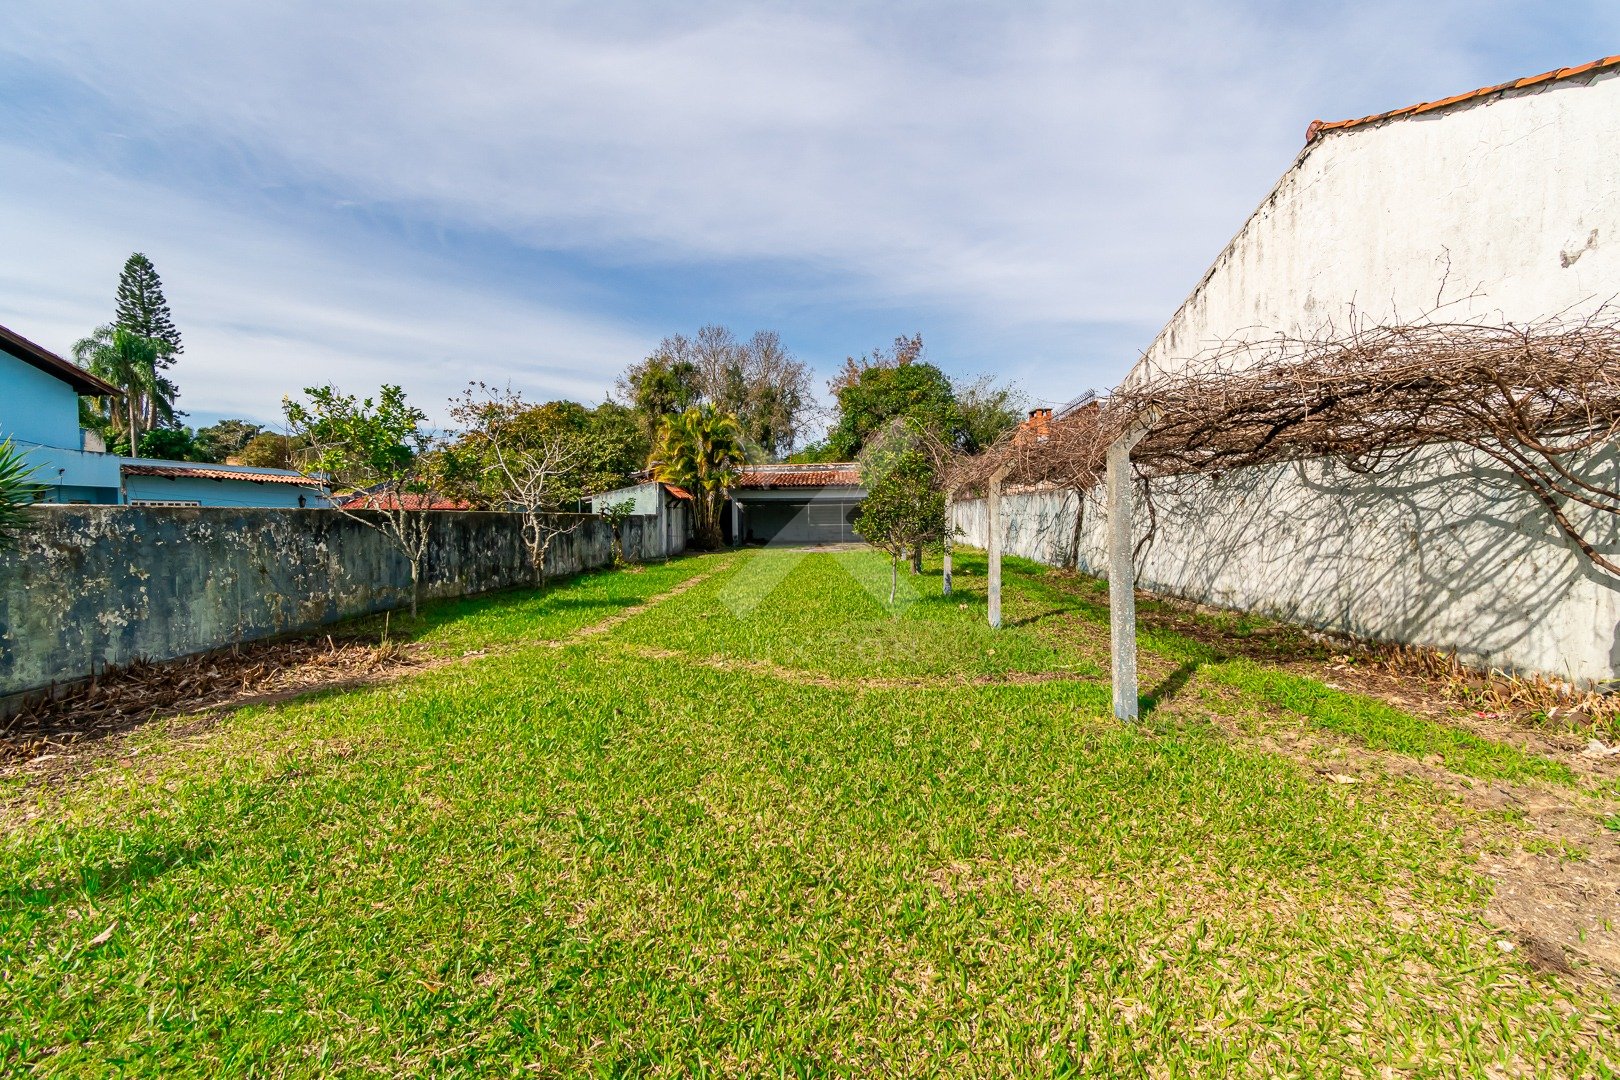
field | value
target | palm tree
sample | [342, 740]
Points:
[700, 450]
[130, 362]
[17, 492]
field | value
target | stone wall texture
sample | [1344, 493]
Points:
[94, 587]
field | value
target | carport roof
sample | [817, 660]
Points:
[832, 474]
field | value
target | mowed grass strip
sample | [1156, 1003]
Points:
[574, 861]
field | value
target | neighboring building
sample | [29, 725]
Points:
[1498, 205]
[769, 504]
[795, 504]
[39, 413]
[668, 504]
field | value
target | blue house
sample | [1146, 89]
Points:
[39, 413]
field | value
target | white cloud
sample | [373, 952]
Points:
[1033, 167]
[265, 312]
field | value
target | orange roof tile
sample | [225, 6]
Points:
[184, 472]
[836, 474]
[1319, 126]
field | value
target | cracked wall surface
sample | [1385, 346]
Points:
[93, 587]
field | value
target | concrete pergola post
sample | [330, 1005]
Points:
[1122, 573]
[950, 503]
[992, 509]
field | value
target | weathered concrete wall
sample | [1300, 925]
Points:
[1447, 551]
[1505, 208]
[95, 587]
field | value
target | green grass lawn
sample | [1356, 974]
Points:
[766, 827]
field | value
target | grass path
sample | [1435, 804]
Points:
[766, 826]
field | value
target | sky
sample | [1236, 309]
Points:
[536, 193]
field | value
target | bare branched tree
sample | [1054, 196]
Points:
[523, 466]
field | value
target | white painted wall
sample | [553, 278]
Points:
[1503, 209]
[1445, 551]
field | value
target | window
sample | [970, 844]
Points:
[164, 502]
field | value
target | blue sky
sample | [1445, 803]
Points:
[426, 193]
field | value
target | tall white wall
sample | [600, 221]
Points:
[1503, 208]
[1445, 551]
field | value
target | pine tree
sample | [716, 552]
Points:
[143, 310]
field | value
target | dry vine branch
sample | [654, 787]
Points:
[1542, 401]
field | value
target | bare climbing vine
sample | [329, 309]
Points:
[1541, 400]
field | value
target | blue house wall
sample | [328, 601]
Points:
[39, 413]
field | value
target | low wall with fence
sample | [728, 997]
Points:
[1446, 550]
[93, 587]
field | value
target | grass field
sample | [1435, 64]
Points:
[769, 827]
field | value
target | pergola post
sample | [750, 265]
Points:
[1122, 573]
[950, 503]
[992, 509]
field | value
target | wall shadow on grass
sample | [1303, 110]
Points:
[107, 876]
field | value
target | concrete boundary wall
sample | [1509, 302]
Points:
[1446, 550]
[94, 587]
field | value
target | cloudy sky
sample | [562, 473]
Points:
[425, 193]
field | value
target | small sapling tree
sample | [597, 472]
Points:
[373, 454]
[905, 501]
[615, 514]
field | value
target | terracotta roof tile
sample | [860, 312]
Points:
[184, 472]
[1319, 126]
[834, 474]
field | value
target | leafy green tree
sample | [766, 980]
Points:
[701, 450]
[18, 491]
[376, 452]
[178, 443]
[268, 450]
[880, 393]
[986, 412]
[226, 439]
[130, 362]
[142, 308]
[905, 504]
[758, 381]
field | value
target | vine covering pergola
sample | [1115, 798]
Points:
[1540, 400]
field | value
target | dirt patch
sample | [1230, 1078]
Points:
[129, 698]
[1554, 865]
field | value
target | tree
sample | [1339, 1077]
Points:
[130, 362]
[905, 500]
[519, 462]
[758, 381]
[143, 310]
[615, 514]
[178, 443]
[986, 413]
[879, 393]
[268, 450]
[226, 439]
[700, 450]
[375, 450]
[18, 491]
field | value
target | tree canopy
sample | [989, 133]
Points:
[757, 381]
